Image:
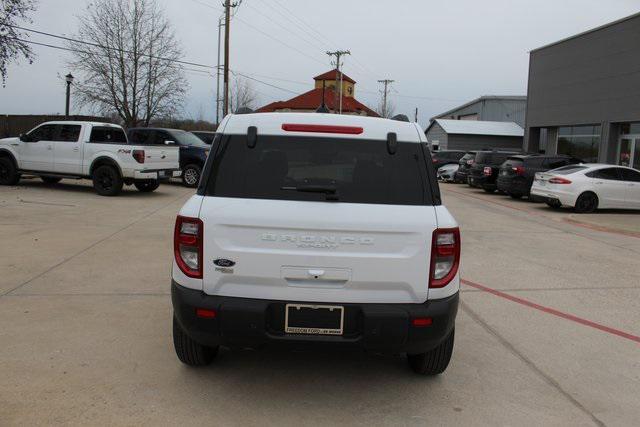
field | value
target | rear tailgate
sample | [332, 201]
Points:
[160, 157]
[353, 253]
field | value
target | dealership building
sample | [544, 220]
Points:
[583, 95]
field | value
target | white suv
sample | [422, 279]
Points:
[317, 228]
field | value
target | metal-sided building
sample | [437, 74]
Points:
[446, 134]
[490, 108]
[584, 94]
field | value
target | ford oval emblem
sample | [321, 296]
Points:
[221, 262]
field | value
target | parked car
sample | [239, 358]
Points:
[517, 172]
[484, 170]
[447, 173]
[86, 150]
[587, 187]
[205, 136]
[193, 152]
[446, 157]
[465, 164]
[317, 228]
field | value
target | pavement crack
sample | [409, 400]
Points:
[547, 378]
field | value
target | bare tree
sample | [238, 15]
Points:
[386, 108]
[129, 67]
[243, 95]
[12, 39]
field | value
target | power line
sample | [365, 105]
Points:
[107, 47]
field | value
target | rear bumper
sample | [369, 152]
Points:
[481, 181]
[513, 186]
[161, 174]
[244, 322]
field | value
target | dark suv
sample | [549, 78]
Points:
[465, 163]
[193, 152]
[484, 171]
[518, 172]
[446, 157]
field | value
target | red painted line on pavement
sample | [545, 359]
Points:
[554, 312]
[602, 228]
[504, 205]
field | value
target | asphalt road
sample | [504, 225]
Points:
[548, 332]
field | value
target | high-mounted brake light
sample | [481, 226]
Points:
[445, 256]
[349, 130]
[188, 245]
[559, 180]
[138, 155]
[487, 171]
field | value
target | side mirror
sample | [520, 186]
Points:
[24, 137]
[169, 143]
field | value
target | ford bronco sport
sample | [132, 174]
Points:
[315, 228]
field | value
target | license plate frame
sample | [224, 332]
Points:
[310, 330]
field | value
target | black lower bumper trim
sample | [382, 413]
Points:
[245, 322]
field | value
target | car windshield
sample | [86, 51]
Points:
[187, 138]
[567, 170]
[319, 169]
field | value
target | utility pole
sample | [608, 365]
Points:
[416, 119]
[338, 92]
[227, 19]
[386, 83]
[218, 74]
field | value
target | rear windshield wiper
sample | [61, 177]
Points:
[330, 190]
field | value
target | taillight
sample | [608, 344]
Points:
[487, 171]
[434, 160]
[445, 256]
[138, 155]
[187, 245]
[349, 130]
[519, 170]
[559, 180]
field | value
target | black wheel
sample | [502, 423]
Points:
[147, 186]
[8, 173]
[555, 204]
[489, 190]
[515, 196]
[50, 179]
[191, 175]
[435, 361]
[107, 181]
[190, 352]
[586, 203]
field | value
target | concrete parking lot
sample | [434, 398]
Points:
[548, 332]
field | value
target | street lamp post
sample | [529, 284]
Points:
[69, 78]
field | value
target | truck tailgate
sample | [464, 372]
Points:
[160, 157]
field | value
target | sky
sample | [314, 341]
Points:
[439, 53]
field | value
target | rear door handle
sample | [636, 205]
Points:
[49, 147]
[76, 149]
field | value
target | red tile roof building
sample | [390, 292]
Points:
[310, 101]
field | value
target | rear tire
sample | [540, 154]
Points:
[147, 186]
[8, 173]
[191, 175]
[586, 203]
[190, 352]
[433, 362]
[107, 181]
[50, 179]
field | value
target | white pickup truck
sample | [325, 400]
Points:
[86, 150]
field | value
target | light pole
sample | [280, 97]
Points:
[69, 78]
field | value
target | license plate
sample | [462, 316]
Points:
[312, 319]
[542, 183]
[162, 174]
[503, 173]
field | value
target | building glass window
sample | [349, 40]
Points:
[630, 128]
[582, 142]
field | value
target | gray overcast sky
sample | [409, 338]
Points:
[441, 53]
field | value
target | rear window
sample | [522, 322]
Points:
[513, 162]
[567, 170]
[104, 134]
[319, 169]
[468, 156]
[483, 157]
